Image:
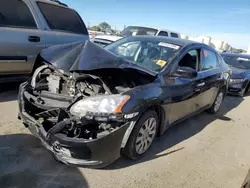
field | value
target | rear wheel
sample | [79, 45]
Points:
[217, 103]
[142, 135]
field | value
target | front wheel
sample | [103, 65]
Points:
[217, 103]
[142, 135]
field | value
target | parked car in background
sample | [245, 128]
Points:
[27, 27]
[104, 40]
[92, 34]
[90, 106]
[240, 79]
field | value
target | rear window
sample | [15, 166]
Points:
[175, 35]
[62, 19]
[15, 13]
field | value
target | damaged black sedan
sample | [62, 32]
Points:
[90, 105]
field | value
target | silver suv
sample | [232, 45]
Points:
[27, 27]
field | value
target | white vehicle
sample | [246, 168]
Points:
[92, 34]
[104, 40]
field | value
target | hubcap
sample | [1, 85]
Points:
[218, 102]
[145, 136]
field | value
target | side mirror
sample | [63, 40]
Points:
[186, 72]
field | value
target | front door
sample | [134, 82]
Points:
[20, 40]
[186, 93]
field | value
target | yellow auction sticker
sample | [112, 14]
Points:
[161, 62]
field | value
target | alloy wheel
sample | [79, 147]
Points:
[218, 101]
[145, 136]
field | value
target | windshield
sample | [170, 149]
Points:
[237, 62]
[133, 31]
[152, 54]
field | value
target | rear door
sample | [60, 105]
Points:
[20, 38]
[212, 76]
[63, 25]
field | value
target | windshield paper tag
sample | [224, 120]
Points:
[161, 63]
[205, 53]
[164, 44]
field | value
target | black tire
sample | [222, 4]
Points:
[243, 92]
[130, 148]
[212, 109]
[247, 88]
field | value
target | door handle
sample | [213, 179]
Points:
[200, 84]
[34, 39]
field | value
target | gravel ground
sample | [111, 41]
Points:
[204, 151]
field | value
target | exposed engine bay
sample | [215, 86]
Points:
[52, 92]
[76, 84]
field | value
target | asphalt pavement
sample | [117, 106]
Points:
[204, 151]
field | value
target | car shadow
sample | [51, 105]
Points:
[179, 133]
[25, 163]
[9, 92]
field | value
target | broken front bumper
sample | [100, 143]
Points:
[71, 151]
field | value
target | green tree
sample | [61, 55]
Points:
[95, 28]
[104, 26]
[238, 50]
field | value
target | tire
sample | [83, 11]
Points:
[215, 107]
[132, 149]
[243, 92]
[247, 88]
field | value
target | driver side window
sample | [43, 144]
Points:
[191, 60]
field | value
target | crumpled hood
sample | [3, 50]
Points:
[86, 56]
[239, 73]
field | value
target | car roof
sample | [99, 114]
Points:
[159, 29]
[236, 55]
[53, 2]
[172, 40]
